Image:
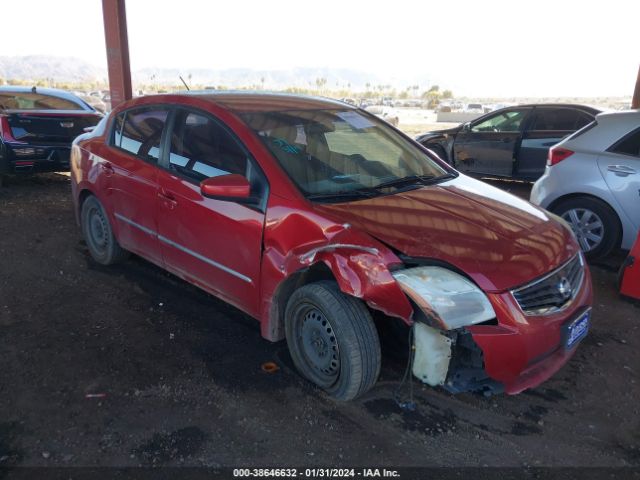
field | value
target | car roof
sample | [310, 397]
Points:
[610, 127]
[54, 92]
[587, 108]
[622, 117]
[250, 101]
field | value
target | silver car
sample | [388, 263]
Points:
[592, 180]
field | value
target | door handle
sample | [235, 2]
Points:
[621, 170]
[168, 199]
[506, 140]
[107, 168]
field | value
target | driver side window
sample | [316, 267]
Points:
[508, 121]
[201, 148]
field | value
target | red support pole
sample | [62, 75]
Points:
[117, 42]
[635, 103]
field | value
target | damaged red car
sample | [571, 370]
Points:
[315, 217]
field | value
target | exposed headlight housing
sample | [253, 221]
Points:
[450, 299]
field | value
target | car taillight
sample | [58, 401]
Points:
[5, 129]
[557, 154]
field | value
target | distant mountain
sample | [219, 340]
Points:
[60, 69]
[70, 69]
[302, 77]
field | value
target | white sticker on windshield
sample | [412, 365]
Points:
[355, 119]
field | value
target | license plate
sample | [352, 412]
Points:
[577, 329]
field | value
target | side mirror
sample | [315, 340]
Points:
[466, 127]
[226, 187]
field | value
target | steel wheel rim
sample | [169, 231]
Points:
[319, 345]
[587, 226]
[97, 231]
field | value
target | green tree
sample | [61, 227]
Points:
[320, 83]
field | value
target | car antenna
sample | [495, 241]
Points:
[184, 83]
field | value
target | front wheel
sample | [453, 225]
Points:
[595, 224]
[332, 340]
[98, 234]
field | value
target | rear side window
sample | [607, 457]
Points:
[564, 119]
[628, 145]
[37, 101]
[139, 132]
[201, 148]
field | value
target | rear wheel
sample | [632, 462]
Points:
[98, 233]
[332, 340]
[594, 223]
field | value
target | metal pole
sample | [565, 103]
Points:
[635, 103]
[117, 42]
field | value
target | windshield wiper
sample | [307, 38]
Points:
[358, 193]
[413, 180]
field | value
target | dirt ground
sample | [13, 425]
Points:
[131, 366]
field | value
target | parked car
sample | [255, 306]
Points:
[388, 114]
[592, 180]
[512, 142]
[95, 102]
[474, 108]
[37, 126]
[314, 217]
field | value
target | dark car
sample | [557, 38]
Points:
[37, 126]
[316, 218]
[511, 142]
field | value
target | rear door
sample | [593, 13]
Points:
[548, 125]
[213, 243]
[488, 145]
[131, 177]
[620, 167]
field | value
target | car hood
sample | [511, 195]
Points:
[499, 240]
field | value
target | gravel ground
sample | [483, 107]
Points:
[128, 366]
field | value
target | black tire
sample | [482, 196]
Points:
[332, 340]
[601, 214]
[98, 234]
[439, 151]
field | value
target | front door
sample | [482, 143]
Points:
[213, 243]
[488, 145]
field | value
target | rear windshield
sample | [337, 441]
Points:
[36, 101]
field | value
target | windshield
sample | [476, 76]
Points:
[343, 152]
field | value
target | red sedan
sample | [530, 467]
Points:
[314, 217]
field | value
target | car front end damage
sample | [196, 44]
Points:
[494, 342]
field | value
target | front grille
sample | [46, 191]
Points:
[553, 292]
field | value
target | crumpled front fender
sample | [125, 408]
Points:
[359, 264]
